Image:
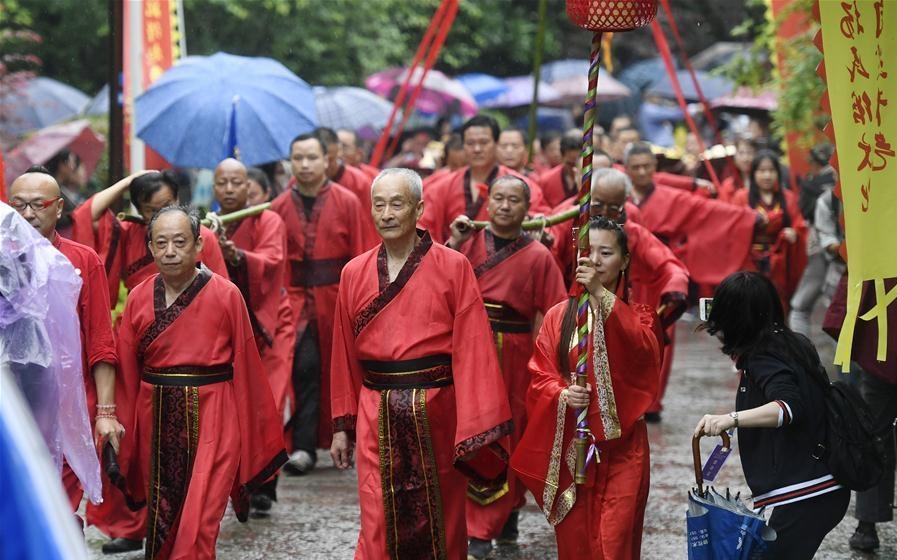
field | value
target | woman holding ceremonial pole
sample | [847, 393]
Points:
[602, 517]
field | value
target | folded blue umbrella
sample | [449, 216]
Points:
[204, 107]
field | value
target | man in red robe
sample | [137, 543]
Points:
[255, 252]
[465, 191]
[204, 426]
[416, 394]
[519, 281]
[353, 154]
[121, 244]
[511, 152]
[322, 222]
[562, 181]
[36, 196]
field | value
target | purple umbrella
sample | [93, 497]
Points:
[440, 94]
[37, 103]
[520, 92]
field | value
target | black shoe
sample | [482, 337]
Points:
[118, 544]
[478, 549]
[509, 532]
[652, 417]
[864, 539]
[260, 502]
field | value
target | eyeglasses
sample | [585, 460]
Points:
[35, 205]
[598, 208]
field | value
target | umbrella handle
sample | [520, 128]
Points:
[696, 456]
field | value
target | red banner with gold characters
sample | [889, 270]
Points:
[860, 49]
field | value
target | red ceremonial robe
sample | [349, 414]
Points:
[259, 276]
[603, 518]
[369, 170]
[451, 195]
[204, 424]
[555, 186]
[317, 250]
[122, 246]
[415, 384]
[517, 282]
[712, 238]
[771, 254]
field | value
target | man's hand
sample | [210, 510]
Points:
[462, 228]
[341, 451]
[706, 185]
[578, 397]
[229, 250]
[108, 429]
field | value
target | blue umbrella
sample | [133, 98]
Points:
[99, 105]
[38, 103]
[549, 119]
[204, 107]
[351, 107]
[562, 69]
[712, 86]
[482, 87]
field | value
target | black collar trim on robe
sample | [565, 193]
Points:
[389, 290]
[495, 258]
[310, 224]
[166, 316]
[647, 196]
[472, 208]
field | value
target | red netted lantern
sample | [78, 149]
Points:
[611, 15]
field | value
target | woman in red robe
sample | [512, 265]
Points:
[740, 175]
[779, 248]
[602, 518]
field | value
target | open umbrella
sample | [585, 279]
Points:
[483, 87]
[744, 99]
[439, 95]
[549, 119]
[351, 107]
[712, 86]
[99, 105]
[77, 136]
[204, 106]
[36, 103]
[520, 92]
[571, 89]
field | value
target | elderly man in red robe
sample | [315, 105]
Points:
[36, 196]
[520, 281]
[465, 191]
[204, 426]
[511, 152]
[322, 222]
[255, 252]
[418, 399]
[121, 244]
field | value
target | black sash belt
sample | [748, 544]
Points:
[320, 272]
[427, 372]
[504, 319]
[187, 376]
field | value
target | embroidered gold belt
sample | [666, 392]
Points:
[426, 372]
[187, 376]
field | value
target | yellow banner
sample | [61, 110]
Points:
[860, 47]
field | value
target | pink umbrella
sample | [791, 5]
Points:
[744, 98]
[572, 89]
[440, 94]
[41, 146]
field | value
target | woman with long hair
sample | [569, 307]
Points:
[779, 247]
[738, 175]
[602, 518]
[779, 414]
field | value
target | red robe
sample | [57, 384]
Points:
[712, 238]
[517, 282]
[259, 275]
[421, 393]
[771, 254]
[204, 425]
[317, 250]
[123, 248]
[555, 187]
[369, 170]
[450, 196]
[730, 186]
[607, 513]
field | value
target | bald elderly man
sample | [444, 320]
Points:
[254, 250]
[37, 198]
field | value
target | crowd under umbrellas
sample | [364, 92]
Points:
[259, 124]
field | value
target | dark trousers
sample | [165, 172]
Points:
[801, 526]
[39, 388]
[307, 388]
[876, 505]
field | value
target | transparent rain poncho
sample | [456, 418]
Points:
[40, 340]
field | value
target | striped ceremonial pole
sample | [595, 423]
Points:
[583, 433]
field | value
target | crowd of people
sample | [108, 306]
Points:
[404, 320]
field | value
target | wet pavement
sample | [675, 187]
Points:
[317, 515]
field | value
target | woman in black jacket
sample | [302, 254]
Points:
[780, 409]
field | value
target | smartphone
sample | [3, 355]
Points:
[705, 304]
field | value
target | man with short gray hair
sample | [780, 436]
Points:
[417, 398]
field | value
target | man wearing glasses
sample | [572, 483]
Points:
[37, 198]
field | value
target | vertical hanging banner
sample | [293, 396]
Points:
[151, 46]
[860, 49]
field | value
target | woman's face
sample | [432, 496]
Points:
[765, 176]
[744, 156]
[609, 260]
[256, 194]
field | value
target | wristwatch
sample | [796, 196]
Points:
[734, 415]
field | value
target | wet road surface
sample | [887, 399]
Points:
[317, 515]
